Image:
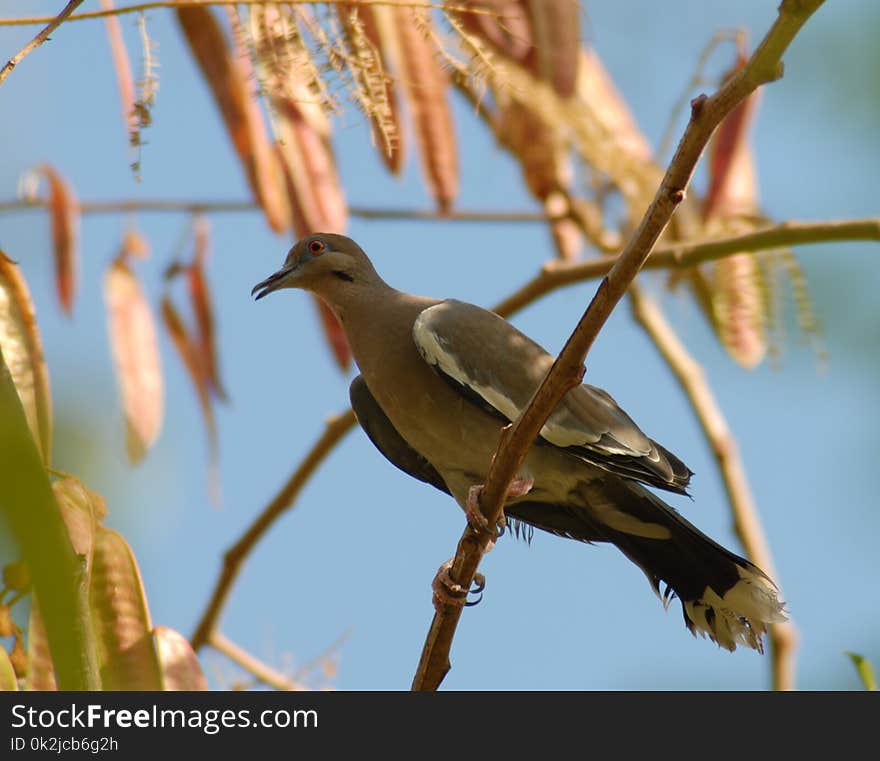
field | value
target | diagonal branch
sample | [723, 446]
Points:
[217, 205]
[556, 274]
[153, 4]
[336, 428]
[41, 37]
[706, 114]
[747, 523]
[259, 670]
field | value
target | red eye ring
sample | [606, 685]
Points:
[316, 247]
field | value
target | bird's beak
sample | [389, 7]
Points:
[280, 279]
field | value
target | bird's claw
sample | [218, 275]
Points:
[519, 487]
[449, 593]
[477, 521]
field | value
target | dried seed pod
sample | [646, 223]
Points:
[227, 76]
[370, 36]
[64, 216]
[135, 349]
[555, 26]
[426, 84]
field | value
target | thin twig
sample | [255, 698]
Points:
[706, 114]
[205, 206]
[747, 524]
[323, 656]
[253, 665]
[234, 558]
[139, 7]
[39, 39]
[556, 274]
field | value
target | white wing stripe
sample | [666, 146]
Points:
[434, 352]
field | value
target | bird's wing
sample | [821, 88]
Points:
[387, 440]
[498, 367]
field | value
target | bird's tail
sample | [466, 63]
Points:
[723, 596]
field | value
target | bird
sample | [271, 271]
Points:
[439, 381]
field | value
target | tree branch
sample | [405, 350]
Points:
[153, 4]
[234, 558]
[205, 206]
[254, 666]
[556, 274]
[747, 523]
[706, 114]
[41, 37]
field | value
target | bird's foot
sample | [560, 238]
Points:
[477, 521]
[448, 593]
[519, 487]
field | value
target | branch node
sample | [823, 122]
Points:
[779, 71]
[697, 105]
[677, 195]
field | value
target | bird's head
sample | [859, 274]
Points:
[327, 264]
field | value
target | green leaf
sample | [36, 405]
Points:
[28, 506]
[8, 682]
[120, 616]
[40, 671]
[866, 673]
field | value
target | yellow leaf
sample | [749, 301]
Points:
[23, 352]
[121, 620]
[178, 662]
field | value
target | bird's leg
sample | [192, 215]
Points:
[519, 487]
[449, 593]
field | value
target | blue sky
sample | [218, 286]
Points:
[358, 552]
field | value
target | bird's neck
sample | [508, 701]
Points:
[378, 323]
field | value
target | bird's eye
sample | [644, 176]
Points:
[316, 247]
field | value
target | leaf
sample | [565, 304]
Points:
[313, 188]
[595, 86]
[120, 617]
[40, 669]
[732, 182]
[135, 245]
[201, 304]
[314, 191]
[506, 28]
[369, 33]
[136, 360]
[865, 672]
[8, 680]
[82, 510]
[738, 306]
[178, 663]
[187, 350]
[425, 84]
[122, 66]
[64, 216]
[556, 34]
[737, 284]
[544, 159]
[227, 76]
[540, 149]
[23, 351]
